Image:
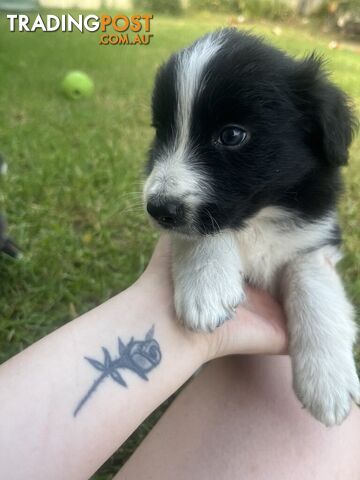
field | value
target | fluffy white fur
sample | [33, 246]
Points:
[208, 280]
[322, 333]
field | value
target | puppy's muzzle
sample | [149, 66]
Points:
[169, 213]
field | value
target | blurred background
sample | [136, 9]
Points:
[72, 194]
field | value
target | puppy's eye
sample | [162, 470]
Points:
[232, 135]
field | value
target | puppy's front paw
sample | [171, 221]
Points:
[204, 301]
[326, 386]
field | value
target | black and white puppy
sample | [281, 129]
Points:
[244, 173]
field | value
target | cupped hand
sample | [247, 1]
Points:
[258, 326]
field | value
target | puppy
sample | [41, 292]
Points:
[244, 174]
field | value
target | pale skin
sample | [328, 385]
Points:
[40, 387]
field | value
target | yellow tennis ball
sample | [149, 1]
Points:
[77, 85]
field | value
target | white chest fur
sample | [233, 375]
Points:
[273, 238]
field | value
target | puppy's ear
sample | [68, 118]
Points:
[329, 121]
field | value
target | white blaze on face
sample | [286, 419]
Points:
[172, 173]
[191, 64]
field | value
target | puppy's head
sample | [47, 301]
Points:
[239, 126]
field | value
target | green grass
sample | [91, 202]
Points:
[72, 193]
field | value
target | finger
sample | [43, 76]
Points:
[249, 333]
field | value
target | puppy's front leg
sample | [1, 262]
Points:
[207, 280]
[322, 333]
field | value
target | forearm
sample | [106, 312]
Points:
[43, 387]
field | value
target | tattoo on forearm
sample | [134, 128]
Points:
[139, 356]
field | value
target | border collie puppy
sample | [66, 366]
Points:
[244, 174]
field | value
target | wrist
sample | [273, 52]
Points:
[156, 307]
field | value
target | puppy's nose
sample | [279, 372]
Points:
[168, 213]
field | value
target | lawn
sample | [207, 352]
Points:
[72, 195]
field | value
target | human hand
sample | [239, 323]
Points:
[258, 326]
